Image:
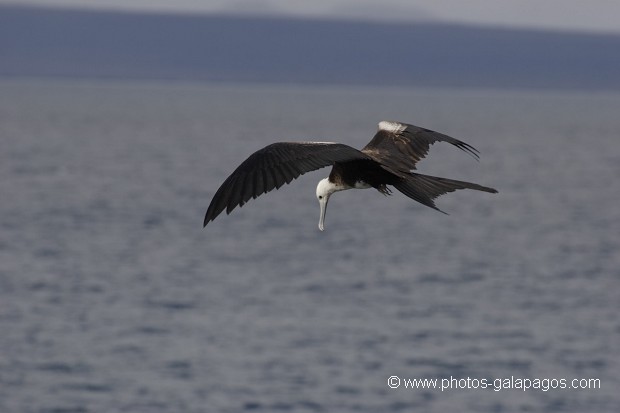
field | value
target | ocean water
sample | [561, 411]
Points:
[114, 298]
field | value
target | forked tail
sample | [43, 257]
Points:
[425, 188]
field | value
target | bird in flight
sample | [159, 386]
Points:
[389, 159]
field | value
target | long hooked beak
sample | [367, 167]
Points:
[323, 205]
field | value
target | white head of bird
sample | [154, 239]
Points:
[324, 189]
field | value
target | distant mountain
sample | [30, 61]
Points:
[75, 43]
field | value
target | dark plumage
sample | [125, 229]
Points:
[388, 159]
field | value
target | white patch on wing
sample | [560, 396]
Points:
[394, 127]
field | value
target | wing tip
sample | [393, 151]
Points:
[208, 218]
[467, 148]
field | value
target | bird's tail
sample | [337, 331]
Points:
[425, 188]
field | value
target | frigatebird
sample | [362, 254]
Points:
[388, 159]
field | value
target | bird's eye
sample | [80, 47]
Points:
[320, 196]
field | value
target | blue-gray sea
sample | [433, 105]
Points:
[113, 298]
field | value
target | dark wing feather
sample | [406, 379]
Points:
[274, 166]
[400, 146]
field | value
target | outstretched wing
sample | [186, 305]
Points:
[400, 146]
[272, 167]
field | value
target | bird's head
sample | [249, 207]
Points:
[324, 189]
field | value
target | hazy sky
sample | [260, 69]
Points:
[590, 15]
